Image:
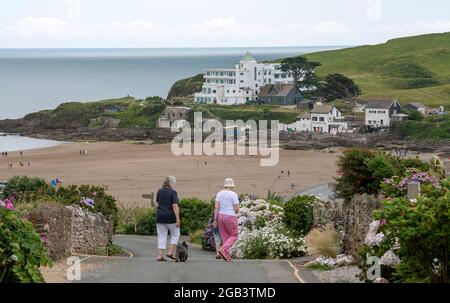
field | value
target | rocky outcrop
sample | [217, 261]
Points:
[186, 87]
[386, 141]
[71, 230]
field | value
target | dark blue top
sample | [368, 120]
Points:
[165, 198]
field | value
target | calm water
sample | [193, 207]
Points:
[36, 79]
[18, 143]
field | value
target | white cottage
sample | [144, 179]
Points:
[381, 113]
[327, 118]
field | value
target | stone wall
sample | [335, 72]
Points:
[351, 219]
[357, 215]
[70, 230]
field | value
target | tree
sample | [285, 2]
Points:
[302, 70]
[338, 86]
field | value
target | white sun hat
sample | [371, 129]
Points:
[229, 183]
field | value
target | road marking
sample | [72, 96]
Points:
[129, 252]
[295, 271]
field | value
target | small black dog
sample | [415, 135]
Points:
[182, 252]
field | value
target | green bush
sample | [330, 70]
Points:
[423, 232]
[433, 128]
[22, 251]
[418, 233]
[298, 214]
[104, 203]
[363, 171]
[194, 214]
[28, 189]
[380, 168]
[146, 223]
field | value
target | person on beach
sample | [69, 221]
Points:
[225, 217]
[167, 218]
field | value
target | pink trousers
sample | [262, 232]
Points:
[228, 228]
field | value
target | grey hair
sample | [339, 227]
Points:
[169, 181]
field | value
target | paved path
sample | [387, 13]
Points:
[202, 267]
[323, 192]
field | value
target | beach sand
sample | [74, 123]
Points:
[130, 170]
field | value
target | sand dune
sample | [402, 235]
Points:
[129, 170]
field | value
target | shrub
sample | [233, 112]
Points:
[22, 251]
[145, 223]
[363, 171]
[323, 242]
[208, 241]
[320, 267]
[194, 214]
[412, 239]
[128, 217]
[103, 203]
[263, 234]
[28, 189]
[298, 214]
[353, 173]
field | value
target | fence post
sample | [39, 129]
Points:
[447, 168]
[413, 190]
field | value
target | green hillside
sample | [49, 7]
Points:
[411, 69]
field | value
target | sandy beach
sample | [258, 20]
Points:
[130, 170]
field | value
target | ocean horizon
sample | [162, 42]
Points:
[38, 79]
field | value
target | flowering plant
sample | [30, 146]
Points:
[262, 233]
[87, 202]
[398, 186]
[8, 203]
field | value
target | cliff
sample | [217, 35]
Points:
[186, 87]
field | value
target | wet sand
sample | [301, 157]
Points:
[130, 170]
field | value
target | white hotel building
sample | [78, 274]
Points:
[241, 84]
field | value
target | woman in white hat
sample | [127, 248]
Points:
[225, 217]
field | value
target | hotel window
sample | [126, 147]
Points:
[314, 118]
[214, 91]
[322, 119]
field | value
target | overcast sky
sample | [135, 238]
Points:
[206, 23]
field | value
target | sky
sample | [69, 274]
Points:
[209, 23]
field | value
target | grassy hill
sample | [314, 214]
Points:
[411, 69]
[132, 113]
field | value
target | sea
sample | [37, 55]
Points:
[37, 79]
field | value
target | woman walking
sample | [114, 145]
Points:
[225, 217]
[167, 218]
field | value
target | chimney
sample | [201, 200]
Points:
[413, 190]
